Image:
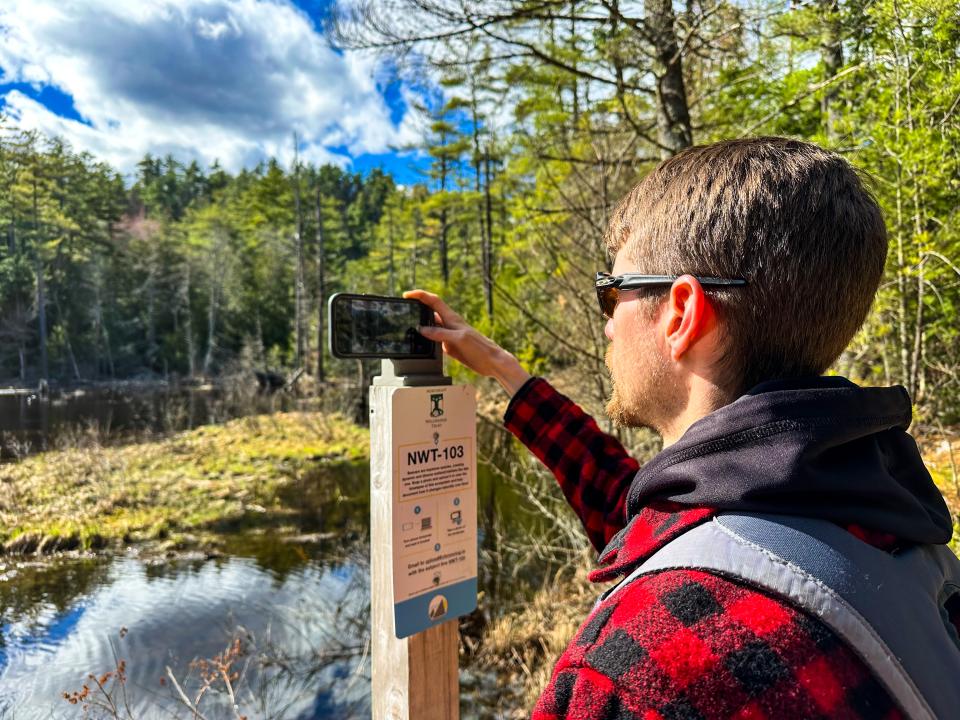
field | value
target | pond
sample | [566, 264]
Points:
[299, 605]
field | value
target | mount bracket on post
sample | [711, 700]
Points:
[413, 373]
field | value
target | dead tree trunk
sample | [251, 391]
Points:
[417, 229]
[444, 262]
[483, 217]
[150, 290]
[298, 241]
[488, 239]
[188, 322]
[41, 288]
[214, 300]
[391, 269]
[321, 286]
[65, 330]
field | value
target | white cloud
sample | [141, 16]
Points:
[207, 79]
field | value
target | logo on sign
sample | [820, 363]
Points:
[436, 408]
[438, 607]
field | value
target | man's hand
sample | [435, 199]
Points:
[463, 343]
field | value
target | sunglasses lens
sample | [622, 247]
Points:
[608, 297]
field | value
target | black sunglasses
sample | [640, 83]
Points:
[610, 286]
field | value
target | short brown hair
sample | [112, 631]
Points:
[791, 218]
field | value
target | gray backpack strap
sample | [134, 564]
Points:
[886, 606]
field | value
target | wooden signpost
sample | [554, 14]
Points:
[423, 545]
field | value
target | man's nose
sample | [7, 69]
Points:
[608, 329]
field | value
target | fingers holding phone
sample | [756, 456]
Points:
[465, 344]
[446, 316]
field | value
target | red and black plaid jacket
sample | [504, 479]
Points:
[680, 644]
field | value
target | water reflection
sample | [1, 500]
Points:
[308, 624]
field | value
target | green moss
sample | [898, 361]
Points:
[192, 483]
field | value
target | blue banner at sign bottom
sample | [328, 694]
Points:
[432, 608]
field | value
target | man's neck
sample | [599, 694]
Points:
[703, 397]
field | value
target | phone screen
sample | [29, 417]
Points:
[373, 326]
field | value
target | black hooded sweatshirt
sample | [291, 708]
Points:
[819, 447]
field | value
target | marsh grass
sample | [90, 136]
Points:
[178, 489]
[521, 644]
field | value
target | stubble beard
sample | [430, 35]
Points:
[617, 411]
[641, 410]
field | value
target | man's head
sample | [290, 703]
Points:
[792, 219]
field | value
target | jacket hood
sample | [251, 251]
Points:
[819, 447]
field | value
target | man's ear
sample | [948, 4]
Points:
[688, 315]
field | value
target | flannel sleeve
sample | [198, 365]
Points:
[593, 469]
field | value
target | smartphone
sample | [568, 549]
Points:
[376, 326]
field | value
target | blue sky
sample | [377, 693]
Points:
[203, 79]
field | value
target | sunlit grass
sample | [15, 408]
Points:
[89, 495]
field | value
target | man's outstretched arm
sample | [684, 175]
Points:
[592, 467]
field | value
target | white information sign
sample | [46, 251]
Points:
[434, 505]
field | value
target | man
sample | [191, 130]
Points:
[773, 252]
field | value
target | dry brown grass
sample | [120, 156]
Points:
[941, 453]
[522, 646]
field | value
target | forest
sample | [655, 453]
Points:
[542, 115]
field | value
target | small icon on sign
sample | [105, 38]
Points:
[436, 548]
[426, 523]
[407, 527]
[436, 409]
[456, 517]
[436, 438]
[436, 578]
[437, 608]
[456, 501]
[416, 510]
